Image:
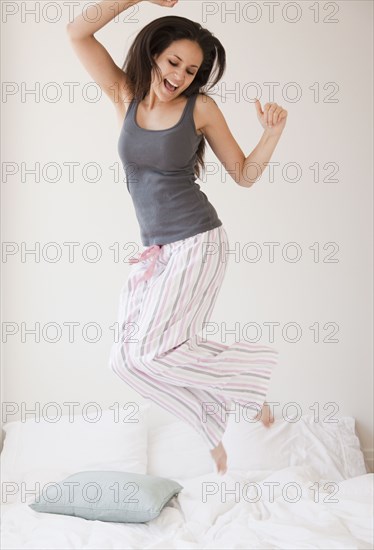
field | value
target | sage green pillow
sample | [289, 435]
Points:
[107, 496]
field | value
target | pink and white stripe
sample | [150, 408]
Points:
[169, 295]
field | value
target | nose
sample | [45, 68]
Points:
[178, 80]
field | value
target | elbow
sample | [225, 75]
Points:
[70, 30]
[245, 182]
[74, 34]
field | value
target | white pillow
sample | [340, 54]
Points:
[332, 449]
[46, 452]
[176, 450]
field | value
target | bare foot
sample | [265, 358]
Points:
[265, 414]
[220, 458]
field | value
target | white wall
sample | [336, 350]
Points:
[327, 210]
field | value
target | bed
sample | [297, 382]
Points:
[297, 484]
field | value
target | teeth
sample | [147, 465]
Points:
[171, 83]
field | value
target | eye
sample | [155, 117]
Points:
[175, 64]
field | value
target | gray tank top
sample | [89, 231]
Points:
[158, 166]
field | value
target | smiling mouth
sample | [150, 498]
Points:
[169, 86]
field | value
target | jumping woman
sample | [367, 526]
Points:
[165, 118]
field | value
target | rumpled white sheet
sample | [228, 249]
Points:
[189, 523]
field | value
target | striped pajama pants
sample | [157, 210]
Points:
[168, 297]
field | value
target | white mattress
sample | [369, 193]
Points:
[188, 522]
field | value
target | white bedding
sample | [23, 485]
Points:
[302, 456]
[189, 523]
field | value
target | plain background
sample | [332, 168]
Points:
[320, 198]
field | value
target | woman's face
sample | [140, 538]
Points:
[178, 64]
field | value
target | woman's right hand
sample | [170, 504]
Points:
[163, 3]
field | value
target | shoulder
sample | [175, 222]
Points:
[205, 101]
[207, 111]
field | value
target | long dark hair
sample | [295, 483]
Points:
[153, 39]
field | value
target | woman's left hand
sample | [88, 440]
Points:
[273, 118]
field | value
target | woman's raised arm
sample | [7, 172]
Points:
[92, 54]
[96, 17]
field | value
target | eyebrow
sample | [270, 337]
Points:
[182, 59]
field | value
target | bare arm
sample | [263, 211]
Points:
[258, 160]
[245, 171]
[219, 136]
[92, 54]
[95, 17]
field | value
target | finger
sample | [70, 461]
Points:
[276, 114]
[258, 107]
[266, 113]
[270, 111]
